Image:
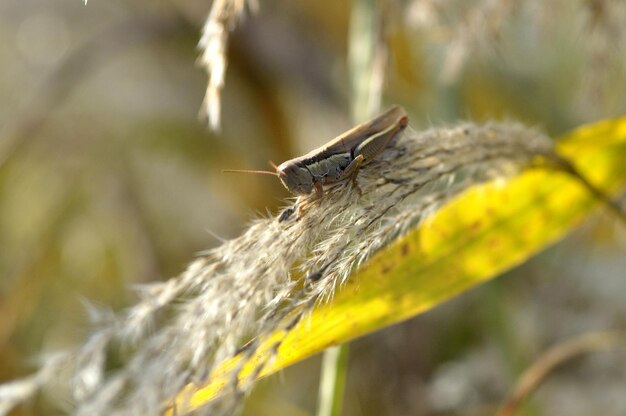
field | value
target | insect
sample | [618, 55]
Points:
[341, 158]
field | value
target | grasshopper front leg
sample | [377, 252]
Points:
[303, 203]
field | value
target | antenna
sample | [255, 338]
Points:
[264, 172]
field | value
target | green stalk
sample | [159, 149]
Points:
[333, 381]
[366, 59]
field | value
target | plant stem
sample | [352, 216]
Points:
[333, 381]
[367, 57]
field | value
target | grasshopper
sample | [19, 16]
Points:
[341, 158]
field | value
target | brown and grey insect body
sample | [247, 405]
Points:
[342, 157]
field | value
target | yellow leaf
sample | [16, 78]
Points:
[483, 232]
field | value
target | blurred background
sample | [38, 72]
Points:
[108, 178]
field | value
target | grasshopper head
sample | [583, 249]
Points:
[297, 179]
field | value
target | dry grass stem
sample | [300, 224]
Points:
[556, 356]
[213, 43]
[274, 274]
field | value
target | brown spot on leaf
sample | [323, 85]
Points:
[494, 242]
[386, 268]
[475, 226]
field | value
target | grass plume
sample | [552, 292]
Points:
[273, 274]
[213, 43]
